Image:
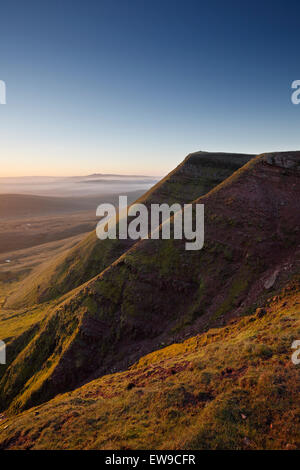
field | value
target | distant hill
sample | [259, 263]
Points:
[46, 179]
[27, 205]
[105, 175]
[118, 181]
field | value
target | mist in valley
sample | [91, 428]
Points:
[75, 186]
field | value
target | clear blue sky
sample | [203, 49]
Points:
[133, 86]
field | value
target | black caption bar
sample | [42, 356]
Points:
[144, 459]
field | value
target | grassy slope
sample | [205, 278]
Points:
[158, 292]
[195, 176]
[230, 388]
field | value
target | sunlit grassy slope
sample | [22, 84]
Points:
[229, 388]
[157, 292]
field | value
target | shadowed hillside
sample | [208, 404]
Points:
[195, 176]
[230, 388]
[157, 293]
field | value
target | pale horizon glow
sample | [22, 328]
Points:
[133, 87]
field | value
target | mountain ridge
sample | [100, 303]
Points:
[154, 293]
[183, 185]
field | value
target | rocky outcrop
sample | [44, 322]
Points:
[286, 160]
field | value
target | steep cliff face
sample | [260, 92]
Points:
[157, 292]
[287, 160]
[195, 176]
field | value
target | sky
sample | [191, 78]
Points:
[132, 87]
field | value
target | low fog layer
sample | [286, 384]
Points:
[76, 186]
